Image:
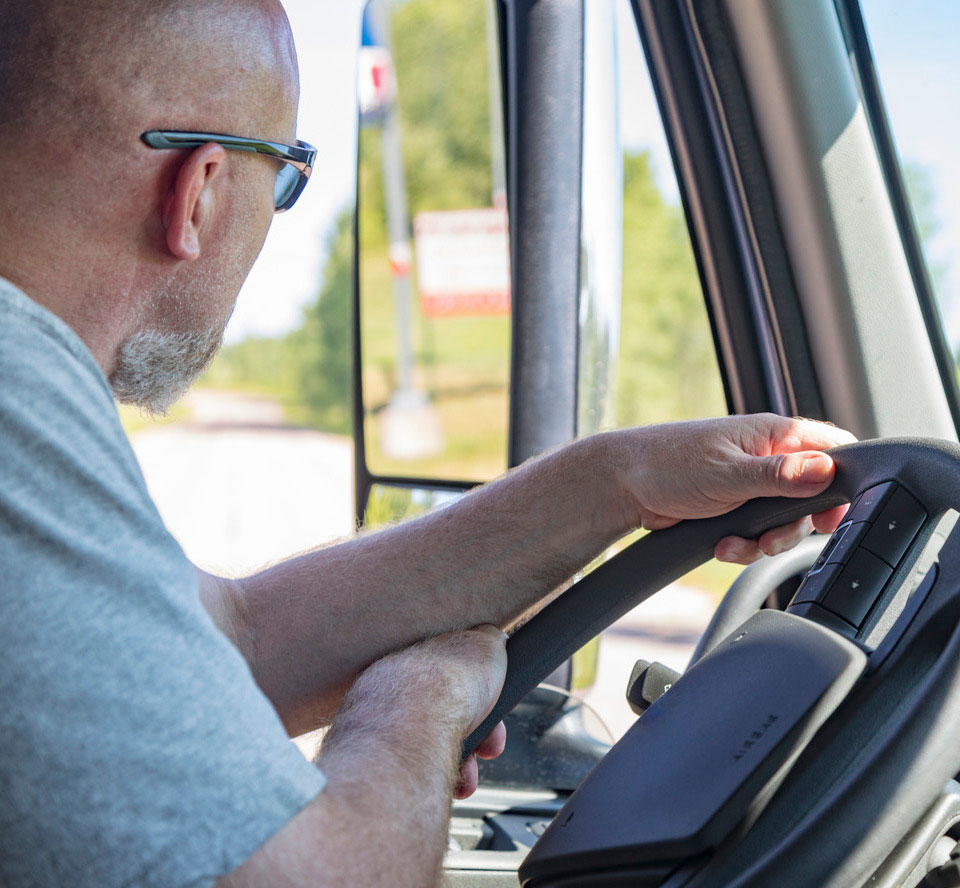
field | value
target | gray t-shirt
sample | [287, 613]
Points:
[135, 747]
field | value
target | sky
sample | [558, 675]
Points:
[914, 47]
[915, 50]
[287, 275]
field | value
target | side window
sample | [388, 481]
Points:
[667, 368]
[914, 51]
[666, 364]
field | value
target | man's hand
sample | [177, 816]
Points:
[459, 676]
[475, 663]
[488, 749]
[321, 618]
[699, 469]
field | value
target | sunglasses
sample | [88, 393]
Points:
[296, 160]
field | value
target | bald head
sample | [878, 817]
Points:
[90, 69]
[116, 238]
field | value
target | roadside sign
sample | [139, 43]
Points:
[376, 84]
[463, 262]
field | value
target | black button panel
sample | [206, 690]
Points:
[866, 506]
[895, 527]
[857, 587]
[848, 577]
[816, 583]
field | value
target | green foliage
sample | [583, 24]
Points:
[320, 349]
[259, 364]
[440, 59]
[441, 65]
[307, 371]
[668, 368]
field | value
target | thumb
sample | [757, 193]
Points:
[790, 474]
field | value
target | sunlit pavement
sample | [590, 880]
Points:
[240, 489]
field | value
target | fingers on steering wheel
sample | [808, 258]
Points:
[829, 520]
[737, 550]
[490, 747]
[773, 542]
[469, 776]
[493, 744]
[778, 540]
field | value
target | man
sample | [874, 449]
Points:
[147, 705]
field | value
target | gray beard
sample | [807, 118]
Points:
[154, 369]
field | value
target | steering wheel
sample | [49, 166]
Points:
[801, 749]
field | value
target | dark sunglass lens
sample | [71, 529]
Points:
[286, 184]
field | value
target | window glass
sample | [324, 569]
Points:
[434, 253]
[667, 367]
[914, 50]
[666, 364]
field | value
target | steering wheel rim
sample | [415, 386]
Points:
[661, 557]
[930, 469]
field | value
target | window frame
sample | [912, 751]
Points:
[854, 30]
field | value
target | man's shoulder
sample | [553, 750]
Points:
[38, 348]
[56, 408]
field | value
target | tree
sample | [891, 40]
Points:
[440, 60]
[321, 347]
[668, 368]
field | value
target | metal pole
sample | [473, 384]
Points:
[409, 427]
[398, 231]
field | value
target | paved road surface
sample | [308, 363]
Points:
[240, 489]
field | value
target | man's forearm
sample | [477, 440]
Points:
[311, 623]
[391, 760]
[382, 818]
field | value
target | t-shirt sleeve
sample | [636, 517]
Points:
[137, 748]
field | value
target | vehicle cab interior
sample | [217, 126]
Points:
[812, 739]
[572, 216]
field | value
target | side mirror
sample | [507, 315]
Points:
[433, 267]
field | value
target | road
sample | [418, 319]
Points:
[240, 489]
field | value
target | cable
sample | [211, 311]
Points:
[573, 695]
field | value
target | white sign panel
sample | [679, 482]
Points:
[463, 261]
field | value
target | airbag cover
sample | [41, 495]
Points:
[706, 754]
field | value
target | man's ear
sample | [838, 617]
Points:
[191, 200]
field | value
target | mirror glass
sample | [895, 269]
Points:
[434, 264]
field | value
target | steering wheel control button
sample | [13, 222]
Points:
[815, 584]
[813, 611]
[706, 755]
[648, 682]
[852, 536]
[857, 587]
[895, 527]
[866, 506]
